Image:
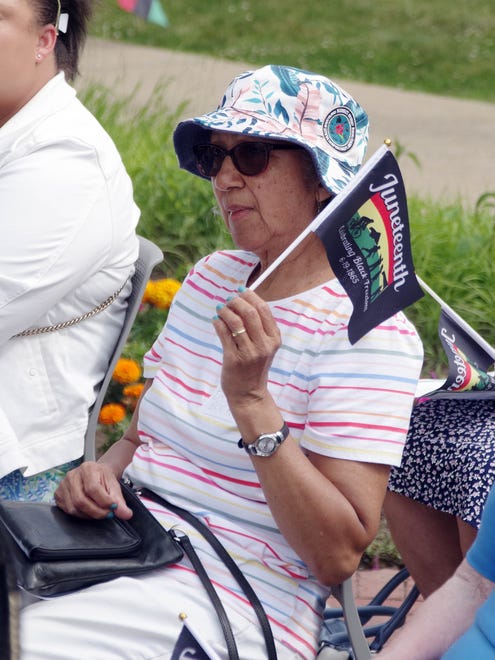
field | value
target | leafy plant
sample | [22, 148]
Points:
[178, 211]
[400, 150]
[382, 550]
[127, 382]
[453, 251]
[485, 202]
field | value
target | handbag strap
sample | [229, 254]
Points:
[228, 561]
[67, 324]
[185, 543]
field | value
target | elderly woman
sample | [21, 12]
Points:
[258, 416]
[68, 244]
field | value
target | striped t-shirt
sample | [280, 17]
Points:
[339, 400]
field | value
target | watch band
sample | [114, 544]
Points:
[265, 444]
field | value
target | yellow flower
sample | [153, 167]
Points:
[160, 293]
[133, 391]
[111, 413]
[147, 292]
[127, 371]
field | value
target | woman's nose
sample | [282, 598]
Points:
[228, 176]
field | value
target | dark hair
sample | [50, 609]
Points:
[310, 173]
[69, 44]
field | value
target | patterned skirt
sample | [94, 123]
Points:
[449, 457]
[37, 488]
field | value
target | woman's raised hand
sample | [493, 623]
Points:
[250, 338]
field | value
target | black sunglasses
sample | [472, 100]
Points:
[250, 158]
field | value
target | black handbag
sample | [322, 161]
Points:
[55, 553]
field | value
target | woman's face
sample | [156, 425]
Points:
[266, 212]
[20, 42]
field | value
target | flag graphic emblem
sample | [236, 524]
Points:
[365, 232]
[468, 362]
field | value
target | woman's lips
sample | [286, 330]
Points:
[236, 213]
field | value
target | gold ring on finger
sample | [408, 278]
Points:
[238, 332]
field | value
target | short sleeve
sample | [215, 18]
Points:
[360, 397]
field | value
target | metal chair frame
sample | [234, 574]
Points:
[354, 639]
[150, 256]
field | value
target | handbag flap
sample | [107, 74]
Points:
[45, 532]
[66, 564]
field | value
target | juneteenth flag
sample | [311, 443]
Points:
[468, 361]
[150, 10]
[365, 231]
[190, 647]
[469, 357]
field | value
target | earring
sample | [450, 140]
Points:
[38, 56]
[321, 203]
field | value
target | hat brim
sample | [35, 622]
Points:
[198, 130]
[333, 170]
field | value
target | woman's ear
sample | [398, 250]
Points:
[47, 38]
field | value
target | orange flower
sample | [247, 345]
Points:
[126, 371]
[160, 293]
[111, 413]
[133, 391]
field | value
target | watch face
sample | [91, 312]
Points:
[266, 444]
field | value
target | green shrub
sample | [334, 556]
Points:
[178, 210]
[453, 250]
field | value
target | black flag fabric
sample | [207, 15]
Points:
[188, 647]
[365, 231]
[367, 240]
[468, 362]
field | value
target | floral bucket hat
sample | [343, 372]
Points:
[284, 103]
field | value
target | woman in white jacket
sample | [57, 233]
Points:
[68, 244]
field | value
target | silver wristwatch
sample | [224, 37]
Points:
[266, 444]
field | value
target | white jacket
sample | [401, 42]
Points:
[67, 222]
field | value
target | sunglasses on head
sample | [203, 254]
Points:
[249, 158]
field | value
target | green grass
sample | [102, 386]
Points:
[436, 46]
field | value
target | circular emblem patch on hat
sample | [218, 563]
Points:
[339, 129]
